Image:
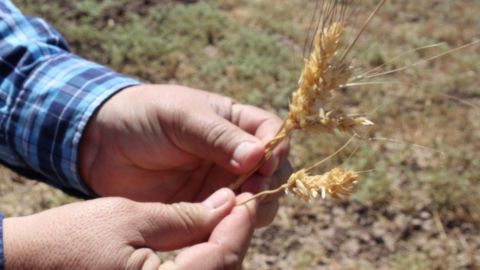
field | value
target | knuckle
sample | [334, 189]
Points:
[222, 105]
[188, 216]
[215, 132]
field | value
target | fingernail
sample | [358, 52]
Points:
[242, 152]
[217, 199]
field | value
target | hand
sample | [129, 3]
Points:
[115, 233]
[171, 143]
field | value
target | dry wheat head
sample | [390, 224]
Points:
[321, 76]
[337, 183]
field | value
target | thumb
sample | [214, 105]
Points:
[168, 227]
[216, 139]
[227, 244]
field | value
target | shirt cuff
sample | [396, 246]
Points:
[98, 96]
[60, 97]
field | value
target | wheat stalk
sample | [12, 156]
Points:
[322, 75]
[311, 109]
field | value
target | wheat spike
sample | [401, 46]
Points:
[321, 76]
[337, 183]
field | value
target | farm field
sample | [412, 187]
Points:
[417, 204]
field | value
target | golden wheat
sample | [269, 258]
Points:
[311, 108]
[337, 183]
[320, 78]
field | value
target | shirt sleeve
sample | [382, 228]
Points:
[47, 96]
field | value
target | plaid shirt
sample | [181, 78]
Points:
[47, 96]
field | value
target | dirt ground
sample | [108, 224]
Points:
[417, 207]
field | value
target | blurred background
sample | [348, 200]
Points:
[417, 207]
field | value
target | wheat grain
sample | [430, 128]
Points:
[320, 77]
[310, 109]
[337, 183]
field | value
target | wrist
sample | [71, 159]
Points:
[88, 151]
[99, 133]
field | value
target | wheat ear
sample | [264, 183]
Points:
[321, 76]
[337, 183]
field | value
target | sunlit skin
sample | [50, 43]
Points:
[159, 143]
[171, 143]
[116, 233]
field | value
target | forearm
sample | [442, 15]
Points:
[47, 95]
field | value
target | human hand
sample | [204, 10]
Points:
[116, 233]
[171, 143]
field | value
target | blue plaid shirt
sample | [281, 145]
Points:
[47, 96]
